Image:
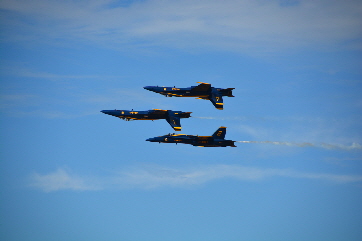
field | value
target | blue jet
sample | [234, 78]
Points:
[216, 140]
[172, 117]
[202, 91]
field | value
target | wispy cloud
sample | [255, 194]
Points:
[354, 146]
[242, 118]
[14, 100]
[126, 96]
[19, 71]
[63, 179]
[87, 103]
[316, 132]
[150, 177]
[247, 25]
[32, 105]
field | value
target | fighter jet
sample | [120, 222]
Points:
[202, 91]
[172, 117]
[216, 140]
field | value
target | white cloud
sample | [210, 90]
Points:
[244, 26]
[353, 146]
[13, 100]
[27, 105]
[17, 71]
[62, 179]
[31, 105]
[150, 177]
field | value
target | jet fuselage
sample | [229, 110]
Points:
[172, 117]
[202, 91]
[216, 140]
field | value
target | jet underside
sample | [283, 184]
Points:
[202, 91]
[172, 117]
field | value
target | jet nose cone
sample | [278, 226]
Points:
[152, 88]
[154, 139]
[110, 112]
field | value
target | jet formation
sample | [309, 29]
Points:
[172, 117]
[203, 91]
[216, 140]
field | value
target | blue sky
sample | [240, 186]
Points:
[69, 172]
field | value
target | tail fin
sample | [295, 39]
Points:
[173, 120]
[217, 101]
[220, 133]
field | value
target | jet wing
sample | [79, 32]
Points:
[174, 121]
[202, 87]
